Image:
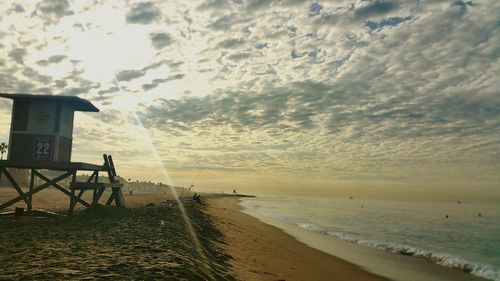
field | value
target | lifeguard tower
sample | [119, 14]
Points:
[41, 139]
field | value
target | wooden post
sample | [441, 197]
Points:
[72, 202]
[110, 199]
[112, 167]
[16, 186]
[32, 182]
[19, 212]
[95, 198]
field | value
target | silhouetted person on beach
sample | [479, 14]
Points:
[197, 198]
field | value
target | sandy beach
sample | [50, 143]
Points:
[263, 249]
[263, 252]
[147, 240]
[150, 239]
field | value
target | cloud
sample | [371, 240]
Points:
[61, 84]
[231, 43]
[13, 84]
[32, 74]
[315, 9]
[56, 58]
[156, 82]
[128, 75]
[161, 40]
[52, 10]
[240, 56]
[213, 4]
[143, 13]
[375, 8]
[385, 90]
[52, 60]
[391, 21]
[227, 22]
[18, 55]
[18, 8]
[245, 111]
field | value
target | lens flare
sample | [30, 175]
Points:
[164, 171]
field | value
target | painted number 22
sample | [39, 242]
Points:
[43, 148]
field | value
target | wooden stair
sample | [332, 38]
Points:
[98, 188]
[116, 190]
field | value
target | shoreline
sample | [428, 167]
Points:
[261, 251]
[390, 266]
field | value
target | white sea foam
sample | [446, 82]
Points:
[453, 234]
[481, 270]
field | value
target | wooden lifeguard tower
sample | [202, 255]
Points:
[41, 139]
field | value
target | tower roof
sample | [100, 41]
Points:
[77, 103]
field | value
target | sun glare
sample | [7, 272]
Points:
[101, 53]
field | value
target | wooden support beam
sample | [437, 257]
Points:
[112, 165]
[107, 166]
[98, 196]
[37, 189]
[110, 199]
[16, 186]
[119, 199]
[92, 176]
[95, 200]
[94, 197]
[75, 200]
[85, 185]
[62, 189]
[93, 185]
[72, 198]
[32, 182]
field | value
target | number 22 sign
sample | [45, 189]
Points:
[43, 148]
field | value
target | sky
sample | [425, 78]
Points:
[269, 94]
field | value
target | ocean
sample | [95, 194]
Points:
[459, 235]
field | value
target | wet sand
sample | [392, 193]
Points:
[263, 252]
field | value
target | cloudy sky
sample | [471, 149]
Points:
[269, 93]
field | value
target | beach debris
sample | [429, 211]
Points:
[479, 214]
[350, 197]
[459, 202]
[19, 212]
[32, 213]
[446, 215]
[169, 203]
[150, 205]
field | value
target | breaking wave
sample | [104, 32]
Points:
[456, 262]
